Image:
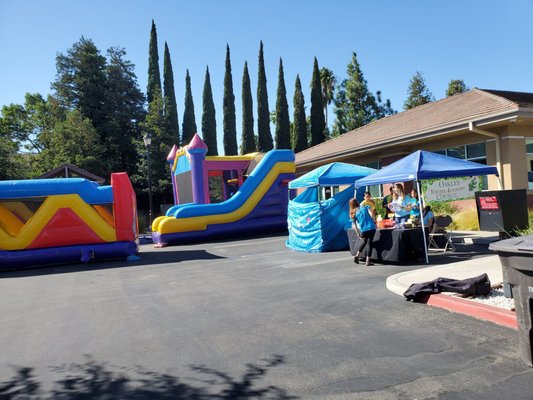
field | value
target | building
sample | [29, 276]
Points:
[487, 126]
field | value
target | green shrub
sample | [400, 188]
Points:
[529, 230]
[465, 220]
[442, 207]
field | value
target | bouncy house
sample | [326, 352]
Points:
[219, 196]
[50, 221]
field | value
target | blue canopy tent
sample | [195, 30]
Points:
[315, 225]
[425, 165]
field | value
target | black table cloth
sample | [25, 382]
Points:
[392, 245]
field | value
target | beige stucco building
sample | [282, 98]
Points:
[487, 126]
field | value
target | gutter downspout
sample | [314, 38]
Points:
[472, 128]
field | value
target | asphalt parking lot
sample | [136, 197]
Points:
[242, 319]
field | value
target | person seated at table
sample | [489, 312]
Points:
[365, 227]
[386, 200]
[400, 204]
[369, 202]
[429, 218]
[414, 213]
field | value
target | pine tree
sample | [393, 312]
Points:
[154, 77]
[171, 108]
[81, 83]
[189, 121]
[248, 144]
[125, 106]
[318, 123]
[417, 93]
[456, 86]
[209, 122]
[263, 113]
[355, 105]
[282, 134]
[228, 109]
[299, 127]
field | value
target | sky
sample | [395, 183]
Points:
[485, 43]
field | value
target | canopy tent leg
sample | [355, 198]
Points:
[422, 221]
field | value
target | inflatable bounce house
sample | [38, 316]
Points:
[51, 221]
[219, 196]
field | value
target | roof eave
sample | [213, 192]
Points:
[507, 115]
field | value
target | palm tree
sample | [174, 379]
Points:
[328, 82]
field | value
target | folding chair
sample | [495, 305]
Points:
[439, 231]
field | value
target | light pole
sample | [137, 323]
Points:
[147, 143]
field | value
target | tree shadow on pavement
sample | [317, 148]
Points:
[94, 380]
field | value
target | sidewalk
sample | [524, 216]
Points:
[489, 264]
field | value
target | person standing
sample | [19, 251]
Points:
[414, 214]
[400, 204]
[365, 227]
[386, 200]
[369, 202]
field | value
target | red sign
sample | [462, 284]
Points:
[488, 203]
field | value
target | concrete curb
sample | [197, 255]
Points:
[490, 265]
[497, 315]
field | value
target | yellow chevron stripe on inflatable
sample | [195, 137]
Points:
[9, 222]
[19, 208]
[51, 205]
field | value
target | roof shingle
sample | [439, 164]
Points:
[460, 108]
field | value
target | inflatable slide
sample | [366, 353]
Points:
[230, 195]
[49, 221]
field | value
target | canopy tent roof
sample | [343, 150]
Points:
[425, 165]
[333, 174]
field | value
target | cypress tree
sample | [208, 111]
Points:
[248, 140]
[171, 108]
[209, 122]
[282, 134]
[299, 127]
[189, 121]
[318, 122]
[229, 124]
[154, 77]
[263, 113]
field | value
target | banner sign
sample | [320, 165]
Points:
[451, 188]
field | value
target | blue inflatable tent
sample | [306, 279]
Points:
[315, 225]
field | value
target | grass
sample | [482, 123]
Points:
[465, 220]
[528, 231]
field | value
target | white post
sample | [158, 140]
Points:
[422, 221]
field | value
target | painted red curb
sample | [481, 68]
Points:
[474, 309]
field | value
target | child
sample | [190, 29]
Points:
[365, 227]
[369, 202]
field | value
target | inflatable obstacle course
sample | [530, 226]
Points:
[49, 221]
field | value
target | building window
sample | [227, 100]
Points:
[529, 155]
[476, 152]
[375, 190]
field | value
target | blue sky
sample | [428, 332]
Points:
[485, 43]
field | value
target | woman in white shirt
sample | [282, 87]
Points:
[401, 204]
